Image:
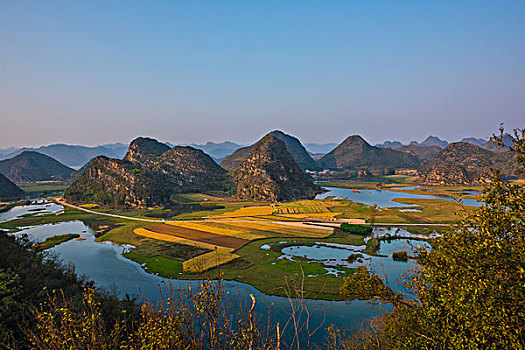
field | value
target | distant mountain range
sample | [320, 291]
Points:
[30, 166]
[72, 156]
[185, 167]
[218, 151]
[319, 148]
[436, 141]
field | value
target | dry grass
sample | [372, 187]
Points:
[199, 236]
[282, 229]
[208, 228]
[329, 215]
[304, 207]
[89, 206]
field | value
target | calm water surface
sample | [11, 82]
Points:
[21, 210]
[384, 198]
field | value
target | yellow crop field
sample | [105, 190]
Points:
[89, 206]
[327, 215]
[249, 211]
[282, 229]
[238, 232]
[304, 207]
[207, 261]
[209, 228]
[175, 239]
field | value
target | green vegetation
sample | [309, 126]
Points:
[469, 288]
[50, 242]
[372, 246]
[464, 163]
[8, 190]
[34, 166]
[400, 256]
[160, 265]
[24, 274]
[356, 153]
[357, 229]
[268, 160]
[354, 257]
[46, 306]
[45, 188]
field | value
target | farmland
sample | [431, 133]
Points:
[225, 239]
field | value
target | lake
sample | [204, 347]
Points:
[384, 198]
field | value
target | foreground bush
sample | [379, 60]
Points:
[193, 319]
[468, 291]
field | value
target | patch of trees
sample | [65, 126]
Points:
[356, 229]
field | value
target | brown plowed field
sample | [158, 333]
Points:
[199, 236]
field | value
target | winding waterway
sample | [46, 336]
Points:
[104, 264]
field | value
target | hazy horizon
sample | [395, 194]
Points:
[92, 73]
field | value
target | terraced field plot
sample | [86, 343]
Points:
[198, 236]
[220, 229]
[285, 229]
[249, 211]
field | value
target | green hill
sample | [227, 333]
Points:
[356, 153]
[292, 144]
[32, 166]
[464, 163]
[147, 176]
[271, 174]
[8, 190]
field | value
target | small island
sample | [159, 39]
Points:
[50, 242]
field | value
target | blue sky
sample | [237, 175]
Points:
[91, 72]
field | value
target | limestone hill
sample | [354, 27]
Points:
[144, 150]
[33, 166]
[8, 190]
[464, 163]
[356, 153]
[147, 176]
[422, 153]
[293, 146]
[270, 173]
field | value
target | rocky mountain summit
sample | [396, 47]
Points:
[270, 173]
[293, 146]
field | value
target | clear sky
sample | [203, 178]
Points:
[92, 72]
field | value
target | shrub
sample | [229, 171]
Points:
[356, 229]
[400, 256]
[353, 257]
